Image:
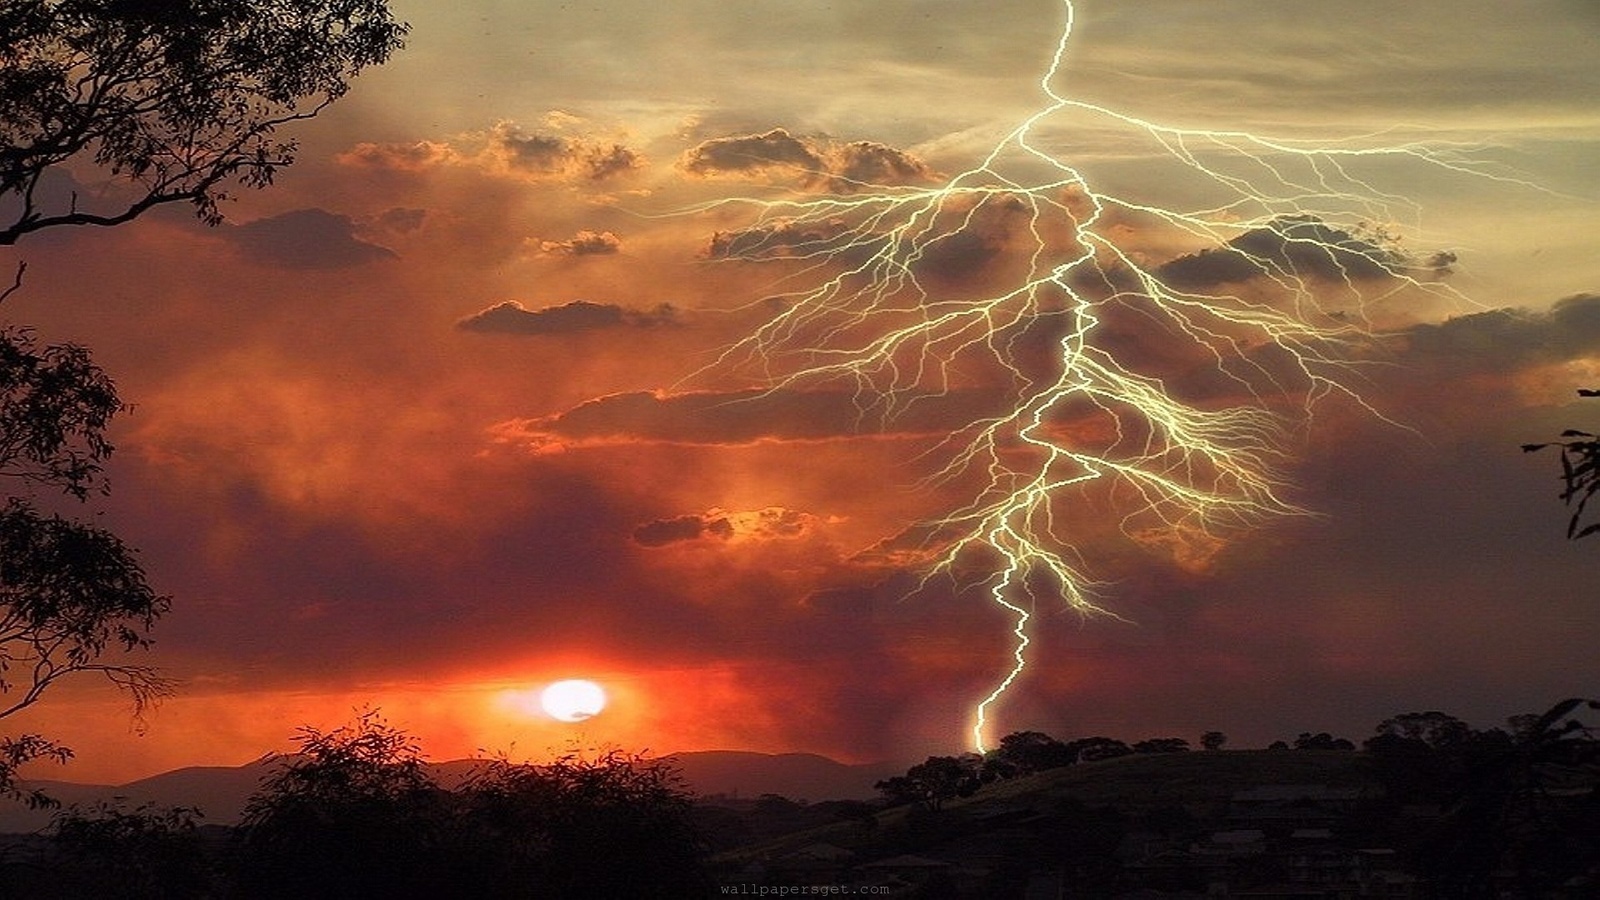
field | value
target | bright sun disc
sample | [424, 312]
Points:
[572, 700]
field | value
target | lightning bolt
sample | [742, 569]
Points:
[862, 305]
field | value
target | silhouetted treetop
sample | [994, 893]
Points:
[173, 100]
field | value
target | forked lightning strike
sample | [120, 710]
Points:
[1191, 442]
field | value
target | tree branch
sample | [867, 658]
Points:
[16, 282]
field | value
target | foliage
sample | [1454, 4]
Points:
[1321, 741]
[69, 591]
[610, 826]
[173, 99]
[1213, 740]
[1435, 730]
[1580, 472]
[1033, 751]
[356, 812]
[55, 404]
[1520, 806]
[168, 101]
[26, 748]
[931, 783]
[353, 812]
[143, 853]
[1095, 749]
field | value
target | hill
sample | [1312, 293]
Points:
[800, 776]
[220, 792]
[1177, 822]
[1200, 783]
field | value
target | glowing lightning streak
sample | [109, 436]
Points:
[1191, 469]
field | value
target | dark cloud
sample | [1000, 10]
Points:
[1503, 340]
[401, 220]
[752, 153]
[543, 154]
[871, 163]
[304, 239]
[972, 237]
[966, 255]
[600, 162]
[744, 417]
[584, 243]
[671, 531]
[772, 523]
[1297, 247]
[538, 152]
[777, 239]
[817, 163]
[511, 317]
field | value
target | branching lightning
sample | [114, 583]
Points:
[1190, 442]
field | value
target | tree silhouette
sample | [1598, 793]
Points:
[1032, 751]
[1525, 808]
[173, 100]
[1435, 730]
[1430, 757]
[166, 101]
[69, 591]
[1096, 749]
[934, 781]
[146, 853]
[357, 813]
[1580, 472]
[614, 825]
[353, 813]
[1213, 740]
[1321, 741]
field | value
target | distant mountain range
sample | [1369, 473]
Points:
[220, 792]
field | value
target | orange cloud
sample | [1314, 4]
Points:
[743, 417]
[506, 149]
[772, 523]
[584, 243]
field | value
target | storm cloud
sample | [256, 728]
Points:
[816, 163]
[744, 417]
[304, 239]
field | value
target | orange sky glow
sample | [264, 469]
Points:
[442, 416]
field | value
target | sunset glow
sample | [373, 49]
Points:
[790, 377]
[573, 700]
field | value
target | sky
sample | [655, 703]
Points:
[449, 411]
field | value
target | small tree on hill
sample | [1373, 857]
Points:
[1095, 749]
[354, 812]
[613, 825]
[934, 781]
[1032, 751]
[1321, 741]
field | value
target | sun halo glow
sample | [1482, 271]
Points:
[572, 700]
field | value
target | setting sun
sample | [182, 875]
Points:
[573, 700]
